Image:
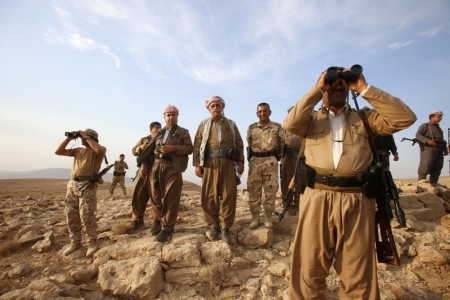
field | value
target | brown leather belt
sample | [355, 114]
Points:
[263, 154]
[337, 181]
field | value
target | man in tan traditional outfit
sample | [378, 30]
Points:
[336, 219]
[81, 207]
[170, 149]
[141, 193]
[119, 176]
[217, 147]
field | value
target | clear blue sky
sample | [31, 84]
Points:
[113, 65]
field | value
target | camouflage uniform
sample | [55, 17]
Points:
[384, 144]
[263, 171]
[81, 210]
[119, 177]
[292, 144]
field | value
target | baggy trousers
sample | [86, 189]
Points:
[80, 211]
[431, 162]
[166, 189]
[287, 172]
[340, 226]
[118, 180]
[141, 195]
[219, 192]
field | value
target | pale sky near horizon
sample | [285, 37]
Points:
[114, 65]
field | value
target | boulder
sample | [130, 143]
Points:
[213, 252]
[45, 244]
[139, 277]
[254, 238]
[131, 247]
[180, 256]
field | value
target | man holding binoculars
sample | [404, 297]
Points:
[336, 218]
[80, 209]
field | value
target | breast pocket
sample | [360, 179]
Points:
[315, 134]
[357, 137]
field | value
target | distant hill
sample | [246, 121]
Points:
[56, 173]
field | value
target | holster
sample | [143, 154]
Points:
[277, 152]
[306, 176]
[249, 153]
[372, 179]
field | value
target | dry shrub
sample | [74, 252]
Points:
[6, 247]
[122, 228]
[213, 278]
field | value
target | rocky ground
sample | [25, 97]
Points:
[132, 265]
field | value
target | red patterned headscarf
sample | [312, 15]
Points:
[171, 109]
[214, 99]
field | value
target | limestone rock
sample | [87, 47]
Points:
[131, 247]
[183, 276]
[445, 220]
[53, 286]
[82, 275]
[254, 238]
[139, 277]
[213, 252]
[18, 270]
[46, 244]
[428, 254]
[186, 255]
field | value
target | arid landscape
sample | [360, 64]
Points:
[132, 265]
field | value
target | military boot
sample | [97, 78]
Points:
[92, 247]
[268, 219]
[73, 246]
[255, 220]
[226, 237]
[213, 233]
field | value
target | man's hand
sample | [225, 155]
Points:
[241, 167]
[322, 84]
[395, 157]
[199, 171]
[359, 84]
[168, 149]
[143, 172]
[431, 143]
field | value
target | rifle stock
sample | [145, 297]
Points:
[287, 199]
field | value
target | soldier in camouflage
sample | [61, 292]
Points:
[80, 209]
[385, 145]
[265, 140]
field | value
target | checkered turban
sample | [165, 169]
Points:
[214, 99]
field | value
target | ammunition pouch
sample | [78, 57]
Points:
[371, 180]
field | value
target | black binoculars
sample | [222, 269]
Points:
[333, 74]
[72, 134]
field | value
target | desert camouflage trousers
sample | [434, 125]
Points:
[262, 174]
[118, 180]
[80, 211]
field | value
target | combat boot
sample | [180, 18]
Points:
[73, 246]
[213, 233]
[226, 237]
[137, 223]
[268, 219]
[255, 220]
[92, 247]
[156, 229]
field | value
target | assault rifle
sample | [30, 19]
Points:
[390, 193]
[94, 179]
[414, 140]
[287, 200]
